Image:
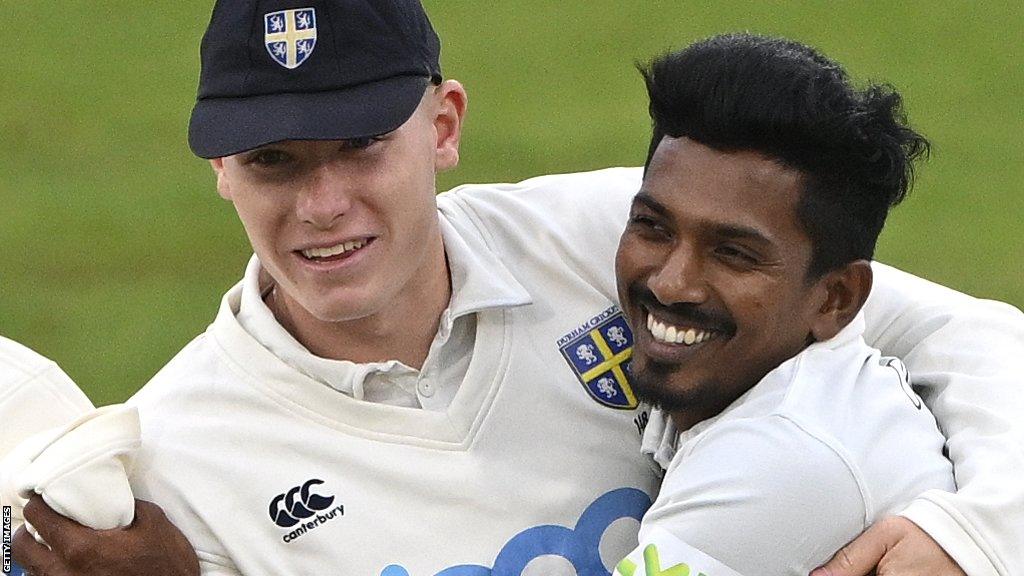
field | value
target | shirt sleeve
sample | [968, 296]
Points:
[41, 400]
[966, 359]
[755, 496]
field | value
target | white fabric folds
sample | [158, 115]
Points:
[35, 395]
[81, 469]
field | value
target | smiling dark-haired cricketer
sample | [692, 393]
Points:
[743, 270]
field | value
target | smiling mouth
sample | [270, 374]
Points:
[678, 335]
[336, 252]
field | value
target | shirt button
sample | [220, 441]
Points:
[426, 389]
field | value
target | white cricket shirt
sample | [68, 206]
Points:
[228, 422]
[533, 467]
[826, 444]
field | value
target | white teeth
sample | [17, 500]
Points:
[674, 335]
[658, 331]
[333, 250]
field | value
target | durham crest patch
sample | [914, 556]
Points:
[599, 353]
[290, 36]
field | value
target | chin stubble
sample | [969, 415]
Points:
[652, 387]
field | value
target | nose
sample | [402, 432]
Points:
[325, 197]
[680, 278]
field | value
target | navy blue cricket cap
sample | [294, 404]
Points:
[277, 70]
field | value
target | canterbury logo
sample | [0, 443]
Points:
[299, 503]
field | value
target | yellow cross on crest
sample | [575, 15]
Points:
[290, 36]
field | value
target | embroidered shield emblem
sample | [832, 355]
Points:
[600, 359]
[290, 36]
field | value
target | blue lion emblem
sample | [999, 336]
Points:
[290, 36]
[600, 359]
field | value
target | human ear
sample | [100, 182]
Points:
[845, 291]
[222, 185]
[451, 110]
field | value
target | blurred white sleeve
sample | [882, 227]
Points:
[80, 470]
[35, 395]
[966, 360]
[54, 443]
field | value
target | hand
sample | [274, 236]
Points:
[893, 546]
[151, 545]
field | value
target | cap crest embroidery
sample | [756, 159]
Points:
[290, 36]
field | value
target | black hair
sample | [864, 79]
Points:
[785, 100]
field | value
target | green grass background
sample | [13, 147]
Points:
[115, 249]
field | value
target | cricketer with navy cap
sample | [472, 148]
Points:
[405, 383]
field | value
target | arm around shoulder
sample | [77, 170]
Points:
[966, 358]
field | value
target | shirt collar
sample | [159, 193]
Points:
[480, 280]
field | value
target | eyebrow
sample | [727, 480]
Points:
[644, 198]
[744, 232]
[737, 231]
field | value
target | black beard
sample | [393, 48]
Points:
[650, 387]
